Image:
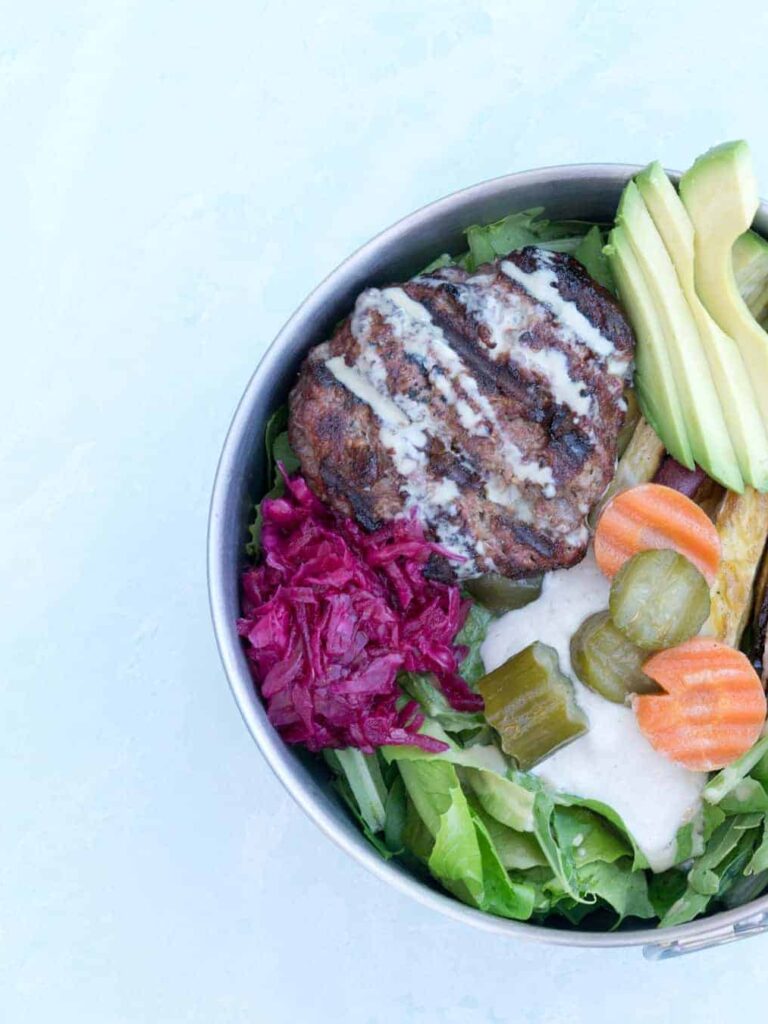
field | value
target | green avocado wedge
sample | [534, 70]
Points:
[720, 195]
[654, 379]
[710, 441]
[750, 268]
[734, 389]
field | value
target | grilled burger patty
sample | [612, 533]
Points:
[489, 403]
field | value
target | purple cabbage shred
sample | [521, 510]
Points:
[332, 614]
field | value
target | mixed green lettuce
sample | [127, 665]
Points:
[470, 818]
[486, 242]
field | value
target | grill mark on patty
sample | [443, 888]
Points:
[339, 487]
[573, 442]
[492, 377]
[533, 539]
[451, 464]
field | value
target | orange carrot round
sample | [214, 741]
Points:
[653, 516]
[713, 709]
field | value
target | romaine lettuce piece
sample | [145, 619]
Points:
[722, 783]
[517, 850]
[589, 837]
[363, 774]
[727, 854]
[463, 856]
[624, 890]
[506, 801]
[759, 861]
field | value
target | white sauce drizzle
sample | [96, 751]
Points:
[509, 495]
[406, 441]
[505, 320]
[612, 762]
[541, 284]
[382, 405]
[552, 364]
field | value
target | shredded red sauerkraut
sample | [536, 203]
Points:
[332, 614]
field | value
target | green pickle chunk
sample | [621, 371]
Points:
[659, 599]
[606, 662]
[499, 594]
[531, 704]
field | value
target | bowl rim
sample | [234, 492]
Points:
[267, 739]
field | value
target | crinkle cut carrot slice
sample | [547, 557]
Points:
[713, 709]
[653, 516]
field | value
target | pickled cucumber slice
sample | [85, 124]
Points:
[606, 662]
[531, 704]
[659, 599]
[499, 594]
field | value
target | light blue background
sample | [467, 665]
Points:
[175, 177]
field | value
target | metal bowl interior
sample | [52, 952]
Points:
[589, 192]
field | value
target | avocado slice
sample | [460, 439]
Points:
[750, 268]
[720, 195]
[654, 379]
[735, 391]
[707, 431]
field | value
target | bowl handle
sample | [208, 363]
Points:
[755, 925]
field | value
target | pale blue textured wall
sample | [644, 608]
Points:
[175, 177]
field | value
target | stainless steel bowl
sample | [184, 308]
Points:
[584, 191]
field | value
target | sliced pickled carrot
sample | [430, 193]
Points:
[653, 516]
[713, 709]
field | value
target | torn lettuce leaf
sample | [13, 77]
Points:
[278, 450]
[456, 855]
[503, 799]
[689, 842]
[614, 882]
[487, 242]
[517, 850]
[589, 837]
[424, 689]
[746, 797]
[463, 856]
[591, 256]
[471, 635]
[501, 895]
[365, 780]
[727, 854]
[721, 784]
[665, 889]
